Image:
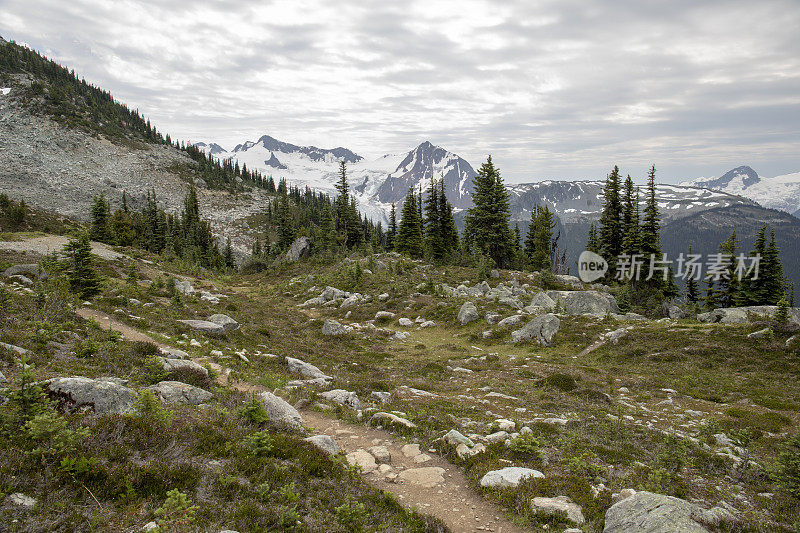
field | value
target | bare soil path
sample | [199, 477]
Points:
[434, 486]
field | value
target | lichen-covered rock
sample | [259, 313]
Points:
[297, 366]
[542, 328]
[342, 397]
[334, 328]
[467, 313]
[646, 512]
[175, 392]
[559, 504]
[510, 476]
[204, 326]
[300, 249]
[227, 323]
[325, 443]
[279, 410]
[182, 365]
[81, 395]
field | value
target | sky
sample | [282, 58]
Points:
[552, 89]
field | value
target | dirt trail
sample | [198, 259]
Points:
[445, 493]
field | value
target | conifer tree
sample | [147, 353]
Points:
[593, 244]
[448, 230]
[409, 235]
[81, 273]
[610, 225]
[692, 294]
[487, 222]
[391, 234]
[539, 242]
[773, 288]
[433, 227]
[631, 240]
[651, 239]
[101, 215]
[230, 262]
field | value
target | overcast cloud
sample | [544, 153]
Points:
[552, 89]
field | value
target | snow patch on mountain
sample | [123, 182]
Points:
[779, 192]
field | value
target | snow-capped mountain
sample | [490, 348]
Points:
[581, 201]
[379, 183]
[780, 192]
[376, 183]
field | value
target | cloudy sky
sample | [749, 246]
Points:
[552, 89]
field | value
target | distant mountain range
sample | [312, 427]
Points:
[780, 192]
[386, 180]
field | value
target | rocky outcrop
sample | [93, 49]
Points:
[99, 396]
[542, 329]
[742, 315]
[334, 328]
[300, 249]
[324, 443]
[227, 323]
[307, 370]
[646, 512]
[559, 504]
[467, 313]
[510, 476]
[342, 397]
[280, 411]
[177, 393]
[183, 365]
[203, 326]
[593, 303]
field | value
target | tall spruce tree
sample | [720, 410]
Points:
[409, 235]
[487, 221]
[593, 244]
[631, 239]
[433, 227]
[448, 230]
[610, 224]
[692, 294]
[651, 220]
[391, 234]
[539, 241]
[81, 273]
[101, 216]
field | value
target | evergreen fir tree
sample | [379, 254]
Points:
[409, 235]
[631, 240]
[230, 262]
[449, 232]
[692, 294]
[433, 227]
[728, 286]
[81, 273]
[487, 222]
[101, 215]
[593, 245]
[539, 242]
[391, 234]
[651, 237]
[610, 225]
[773, 285]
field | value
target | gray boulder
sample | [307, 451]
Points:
[510, 476]
[280, 411]
[100, 396]
[203, 325]
[468, 313]
[541, 299]
[390, 419]
[676, 312]
[175, 392]
[174, 353]
[334, 327]
[342, 397]
[646, 512]
[21, 500]
[559, 504]
[510, 302]
[184, 287]
[512, 320]
[29, 270]
[324, 443]
[227, 323]
[454, 438]
[742, 315]
[296, 366]
[300, 249]
[15, 349]
[179, 365]
[593, 303]
[542, 328]
[3, 380]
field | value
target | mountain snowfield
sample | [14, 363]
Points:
[780, 192]
[375, 183]
[378, 183]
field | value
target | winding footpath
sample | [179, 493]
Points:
[417, 478]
